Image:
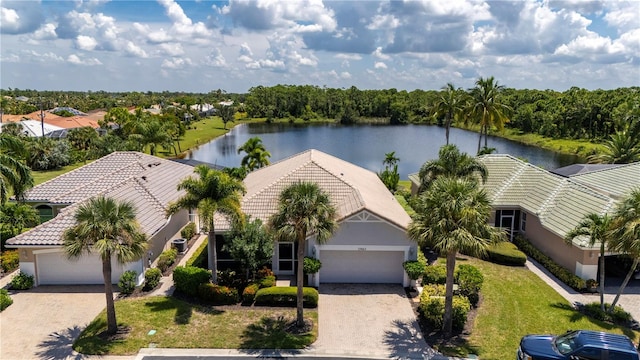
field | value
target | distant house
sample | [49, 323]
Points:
[204, 110]
[33, 128]
[544, 207]
[149, 182]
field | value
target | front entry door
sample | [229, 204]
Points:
[286, 258]
[506, 223]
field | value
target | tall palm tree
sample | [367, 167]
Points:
[623, 147]
[15, 176]
[597, 228]
[452, 216]
[106, 227]
[211, 193]
[256, 154]
[485, 107]
[304, 209]
[450, 104]
[451, 162]
[390, 159]
[153, 133]
[625, 236]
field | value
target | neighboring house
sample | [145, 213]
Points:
[544, 207]
[33, 128]
[148, 181]
[370, 243]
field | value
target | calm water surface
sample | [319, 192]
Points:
[365, 145]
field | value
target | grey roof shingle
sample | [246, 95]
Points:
[614, 181]
[147, 181]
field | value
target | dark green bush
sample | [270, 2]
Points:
[152, 278]
[166, 259]
[264, 272]
[217, 294]
[188, 231]
[22, 281]
[432, 311]
[127, 283]
[414, 269]
[286, 296]
[506, 253]
[5, 299]
[199, 257]
[311, 265]
[558, 271]
[188, 279]
[267, 281]
[231, 279]
[618, 316]
[435, 274]
[469, 280]
[249, 293]
[10, 260]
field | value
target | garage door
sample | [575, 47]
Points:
[361, 266]
[56, 269]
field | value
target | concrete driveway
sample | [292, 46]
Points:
[368, 320]
[43, 322]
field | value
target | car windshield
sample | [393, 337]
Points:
[566, 343]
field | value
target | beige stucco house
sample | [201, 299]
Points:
[544, 207]
[147, 181]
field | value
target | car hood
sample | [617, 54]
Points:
[539, 346]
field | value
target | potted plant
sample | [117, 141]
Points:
[311, 266]
[592, 285]
[414, 270]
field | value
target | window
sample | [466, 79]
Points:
[523, 222]
[192, 215]
[45, 212]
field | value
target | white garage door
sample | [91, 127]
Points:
[56, 269]
[361, 266]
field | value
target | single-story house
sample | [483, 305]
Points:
[370, 243]
[147, 181]
[544, 207]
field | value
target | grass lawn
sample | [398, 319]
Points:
[516, 302]
[179, 324]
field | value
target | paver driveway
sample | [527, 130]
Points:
[43, 322]
[370, 320]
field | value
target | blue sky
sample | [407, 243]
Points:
[199, 46]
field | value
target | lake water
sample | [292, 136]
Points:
[365, 145]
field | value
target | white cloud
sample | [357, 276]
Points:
[176, 63]
[46, 32]
[171, 49]
[380, 65]
[215, 59]
[86, 43]
[20, 17]
[378, 54]
[134, 50]
[353, 57]
[182, 24]
[75, 59]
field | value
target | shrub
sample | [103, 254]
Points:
[22, 281]
[506, 253]
[249, 293]
[558, 271]
[432, 311]
[414, 269]
[264, 272]
[199, 257]
[618, 316]
[286, 296]
[435, 274]
[188, 231]
[10, 260]
[311, 265]
[217, 294]
[469, 280]
[430, 290]
[267, 281]
[5, 299]
[166, 259]
[127, 283]
[151, 278]
[188, 279]
[230, 278]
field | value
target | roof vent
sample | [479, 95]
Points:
[144, 178]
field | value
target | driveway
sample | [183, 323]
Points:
[43, 322]
[368, 320]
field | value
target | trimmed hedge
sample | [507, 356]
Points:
[127, 283]
[218, 295]
[9, 260]
[167, 258]
[188, 279]
[435, 274]
[249, 293]
[151, 278]
[199, 257]
[505, 253]
[22, 281]
[267, 281]
[469, 280]
[286, 296]
[432, 290]
[188, 231]
[563, 274]
[432, 311]
[5, 299]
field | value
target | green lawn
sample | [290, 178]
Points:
[178, 324]
[516, 302]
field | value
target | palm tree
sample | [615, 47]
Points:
[304, 209]
[257, 156]
[485, 107]
[450, 104]
[154, 134]
[625, 236]
[15, 176]
[211, 193]
[452, 216]
[390, 159]
[623, 147]
[597, 228]
[109, 228]
[451, 162]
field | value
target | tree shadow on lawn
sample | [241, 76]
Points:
[272, 337]
[58, 345]
[184, 309]
[575, 315]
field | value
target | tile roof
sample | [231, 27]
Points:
[147, 181]
[614, 181]
[350, 187]
[575, 169]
